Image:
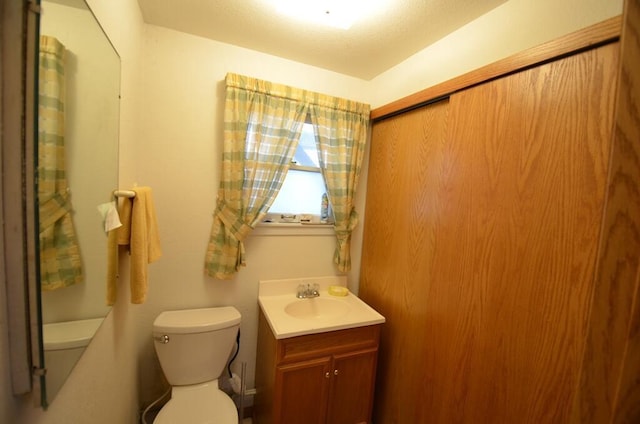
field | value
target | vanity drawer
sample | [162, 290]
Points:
[324, 344]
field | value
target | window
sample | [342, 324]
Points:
[340, 127]
[300, 198]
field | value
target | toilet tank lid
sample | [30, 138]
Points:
[69, 334]
[196, 320]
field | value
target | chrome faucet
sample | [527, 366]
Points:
[306, 291]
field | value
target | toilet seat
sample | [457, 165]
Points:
[202, 403]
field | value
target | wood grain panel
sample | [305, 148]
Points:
[609, 389]
[484, 264]
[402, 213]
[535, 148]
[352, 387]
[304, 391]
[313, 345]
[265, 373]
[600, 33]
[627, 134]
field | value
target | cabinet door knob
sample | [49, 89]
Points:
[335, 372]
[327, 374]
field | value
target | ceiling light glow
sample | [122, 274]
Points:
[336, 13]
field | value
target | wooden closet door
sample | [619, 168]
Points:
[519, 272]
[406, 166]
[486, 272]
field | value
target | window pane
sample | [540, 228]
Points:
[306, 153]
[301, 192]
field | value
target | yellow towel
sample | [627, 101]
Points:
[139, 231]
[112, 266]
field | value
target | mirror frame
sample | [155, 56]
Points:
[20, 22]
[18, 252]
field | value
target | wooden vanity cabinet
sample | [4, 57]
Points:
[317, 378]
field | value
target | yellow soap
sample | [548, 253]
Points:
[338, 291]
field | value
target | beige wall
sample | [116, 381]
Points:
[511, 27]
[178, 151]
[172, 90]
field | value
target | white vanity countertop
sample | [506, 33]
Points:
[319, 314]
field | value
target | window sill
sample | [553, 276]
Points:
[293, 229]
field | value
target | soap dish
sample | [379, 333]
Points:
[338, 291]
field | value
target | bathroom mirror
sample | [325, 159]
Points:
[77, 162]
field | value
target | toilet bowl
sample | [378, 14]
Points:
[193, 347]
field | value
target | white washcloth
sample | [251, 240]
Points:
[110, 216]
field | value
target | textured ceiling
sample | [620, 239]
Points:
[370, 47]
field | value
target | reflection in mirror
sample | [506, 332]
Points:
[78, 112]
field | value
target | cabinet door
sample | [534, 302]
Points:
[302, 390]
[352, 384]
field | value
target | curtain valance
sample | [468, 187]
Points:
[296, 94]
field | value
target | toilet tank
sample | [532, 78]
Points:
[194, 345]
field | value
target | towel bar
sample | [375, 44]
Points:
[124, 193]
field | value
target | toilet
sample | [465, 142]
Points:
[193, 347]
[64, 343]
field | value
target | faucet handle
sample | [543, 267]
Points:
[308, 290]
[300, 291]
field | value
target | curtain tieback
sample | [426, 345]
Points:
[53, 209]
[232, 222]
[351, 223]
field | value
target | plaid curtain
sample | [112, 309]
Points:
[341, 134]
[60, 262]
[262, 125]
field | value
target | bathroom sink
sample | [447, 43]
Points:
[289, 316]
[317, 308]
